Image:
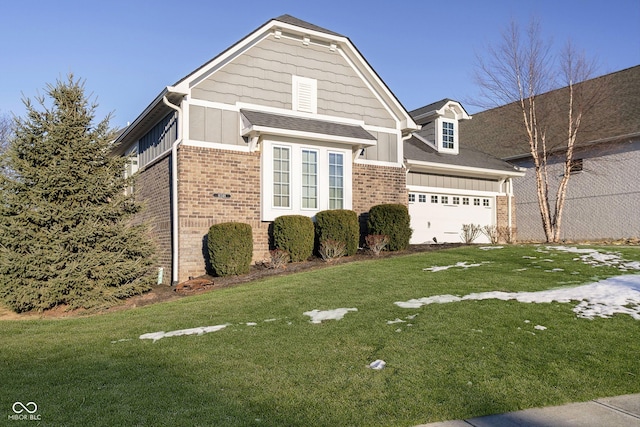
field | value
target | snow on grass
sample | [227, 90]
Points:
[318, 316]
[155, 336]
[488, 248]
[597, 258]
[620, 294]
[464, 265]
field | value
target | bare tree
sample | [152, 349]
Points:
[519, 71]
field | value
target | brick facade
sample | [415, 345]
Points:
[375, 185]
[153, 190]
[507, 234]
[203, 173]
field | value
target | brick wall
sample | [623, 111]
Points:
[204, 172]
[152, 189]
[375, 185]
[502, 218]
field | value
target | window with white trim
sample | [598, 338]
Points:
[444, 199]
[309, 179]
[301, 179]
[304, 94]
[476, 202]
[485, 202]
[448, 138]
[281, 177]
[412, 198]
[456, 200]
[336, 180]
[434, 199]
[465, 201]
[422, 198]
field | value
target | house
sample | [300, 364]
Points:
[293, 120]
[603, 200]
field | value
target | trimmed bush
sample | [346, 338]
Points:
[340, 225]
[294, 234]
[230, 247]
[391, 220]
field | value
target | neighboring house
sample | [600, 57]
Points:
[293, 120]
[451, 184]
[603, 194]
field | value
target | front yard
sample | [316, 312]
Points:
[252, 355]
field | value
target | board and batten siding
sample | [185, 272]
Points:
[158, 140]
[453, 182]
[214, 125]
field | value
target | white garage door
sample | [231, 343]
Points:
[441, 216]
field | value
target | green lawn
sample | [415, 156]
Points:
[445, 361]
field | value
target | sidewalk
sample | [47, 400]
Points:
[620, 411]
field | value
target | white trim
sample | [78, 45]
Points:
[264, 130]
[440, 121]
[377, 162]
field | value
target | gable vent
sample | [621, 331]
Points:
[305, 94]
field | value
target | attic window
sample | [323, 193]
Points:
[304, 94]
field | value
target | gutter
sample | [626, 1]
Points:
[174, 192]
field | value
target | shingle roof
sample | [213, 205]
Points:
[279, 121]
[499, 131]
[288, 19]
[415, 149]
[430, 107]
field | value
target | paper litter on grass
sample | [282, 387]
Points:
[620, 294]
[155, 336]
[318, 316]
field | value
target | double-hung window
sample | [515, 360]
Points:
[336, 180]
[309, 179]
[448, 139]
[281, 177]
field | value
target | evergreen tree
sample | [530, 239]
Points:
[66, 230]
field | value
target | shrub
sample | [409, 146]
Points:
[376, 242]
[294, 234]
[279, 258]
[492, 233]
[341, 225]
[230, 247]
[331, 250]
[392, 220]
[470, 232]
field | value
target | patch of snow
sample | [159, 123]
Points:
[391, 322]
[596, 258]
[540, 327]
[463, 264]
[488, 248]
[270, 320]
[528, 257]
[251, 324]
[377, 364]
[620, 294]
[155, 336]
[318, 316]
[553, 270]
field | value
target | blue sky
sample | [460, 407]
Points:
[127, 51]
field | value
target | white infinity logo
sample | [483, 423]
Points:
[30, 407]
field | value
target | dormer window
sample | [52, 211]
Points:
[448, 138]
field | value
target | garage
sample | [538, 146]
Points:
[440, 216]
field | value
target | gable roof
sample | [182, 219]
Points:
[424, 114]
[174, 93]
[615, 118]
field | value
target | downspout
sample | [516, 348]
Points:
[174, 192]
[509, 195]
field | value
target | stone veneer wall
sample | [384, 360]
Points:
[204, 172]
[502, 216]
[153, 190]
[375, 185]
